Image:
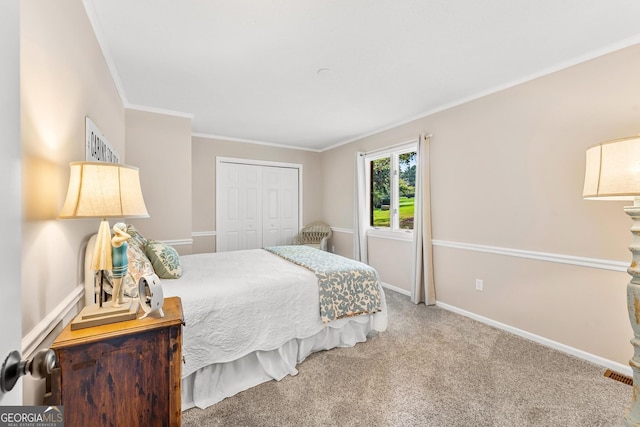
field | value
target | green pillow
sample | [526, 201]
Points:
[164, 258]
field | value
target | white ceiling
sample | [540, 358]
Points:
[250, 70]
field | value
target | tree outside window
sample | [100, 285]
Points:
[392, 178]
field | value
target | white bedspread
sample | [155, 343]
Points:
[238, 302]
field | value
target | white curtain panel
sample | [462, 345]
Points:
[360, 219]
[423, 284]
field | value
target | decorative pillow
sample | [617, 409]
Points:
[164, 258]
[139, 265]
[136, 239]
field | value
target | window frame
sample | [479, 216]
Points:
[394, 231]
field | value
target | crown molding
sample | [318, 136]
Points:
[251, 141]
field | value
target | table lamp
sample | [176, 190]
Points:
[613, 173]
[103, 190]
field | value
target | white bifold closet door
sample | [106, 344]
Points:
[257, 206]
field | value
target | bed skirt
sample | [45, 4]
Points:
[215, 382]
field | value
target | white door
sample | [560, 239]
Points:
[271, 199]
[229, 229]
[279, 205]
[289, 225]
[239, 207]
[250, 206]
[256, 205]
[10, 212]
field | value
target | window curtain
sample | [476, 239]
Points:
[360, 218]
[423, 284]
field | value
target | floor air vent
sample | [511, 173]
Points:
[618, 377]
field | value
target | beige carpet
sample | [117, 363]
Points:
[430, 368]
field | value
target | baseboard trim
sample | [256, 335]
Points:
[39, 333]
[603, 264]
[396, 289]
[601, 361]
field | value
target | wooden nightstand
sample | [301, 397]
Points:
[122, 374]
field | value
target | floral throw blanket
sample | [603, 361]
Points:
[347, 287]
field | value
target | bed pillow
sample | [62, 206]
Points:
[139, 265]
[164, 258]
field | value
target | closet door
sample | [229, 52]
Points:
[250, 207]
[290, 206]
[257, 206]
[228, 208]
[239, 207]
[279, 205]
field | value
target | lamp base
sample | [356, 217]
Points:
[94, 315]
[632, 417]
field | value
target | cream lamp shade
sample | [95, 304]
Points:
[613, 170]
[103, 190]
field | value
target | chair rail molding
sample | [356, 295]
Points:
[39, 333]
[603, 264]
[180, 242]
[342, 230]
[203, 233]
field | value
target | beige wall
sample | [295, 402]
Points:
[64, 78]
[583, 308]
[507, 171]
[392, 259]
[204, 152]
[160, 145]
[341, 242]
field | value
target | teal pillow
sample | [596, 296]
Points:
[164, 258]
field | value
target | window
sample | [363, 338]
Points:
[391, 180]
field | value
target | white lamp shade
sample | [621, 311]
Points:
[103, 190]
[613, 170]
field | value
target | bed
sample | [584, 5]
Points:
[251, 316]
